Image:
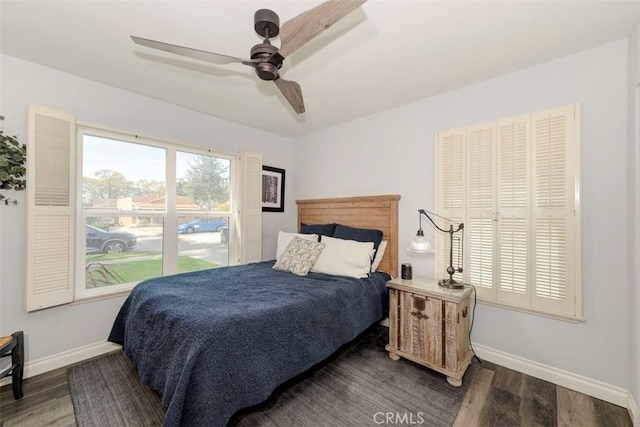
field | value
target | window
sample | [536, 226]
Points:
[107, 210]
[514, 183]
[134, 226]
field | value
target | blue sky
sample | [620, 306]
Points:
[135, 161]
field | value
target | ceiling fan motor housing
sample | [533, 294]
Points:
[268, 68]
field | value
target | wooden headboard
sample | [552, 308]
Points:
[377, 212]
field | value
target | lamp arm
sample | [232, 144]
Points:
[423, 212]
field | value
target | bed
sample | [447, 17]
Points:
[216, 341]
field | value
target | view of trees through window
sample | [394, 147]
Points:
[125, 208]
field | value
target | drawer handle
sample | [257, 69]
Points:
[419, 315]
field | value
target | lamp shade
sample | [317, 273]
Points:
[420, 244]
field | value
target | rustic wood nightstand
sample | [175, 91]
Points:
[429, 325]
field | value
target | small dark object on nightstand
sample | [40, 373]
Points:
[407, 271]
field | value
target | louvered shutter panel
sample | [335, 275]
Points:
[553, 195]
[513, 226]
[50, 208]
[450, 195]
[480, 224]
[518, 194]
[251, 208]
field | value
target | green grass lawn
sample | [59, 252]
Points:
[122, 255]
[135, 271]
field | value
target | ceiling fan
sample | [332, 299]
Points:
[266, 58]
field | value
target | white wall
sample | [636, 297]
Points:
[63, 328]
[633, 161]
[393, 152]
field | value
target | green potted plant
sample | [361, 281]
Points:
[13, 156]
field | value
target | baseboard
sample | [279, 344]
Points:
[632, 406]
[55, 361]
[616, 395]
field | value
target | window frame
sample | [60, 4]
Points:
[170, 214]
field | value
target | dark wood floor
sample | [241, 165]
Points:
[497, 396]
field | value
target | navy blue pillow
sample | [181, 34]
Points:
[319, 229]
[359, 235]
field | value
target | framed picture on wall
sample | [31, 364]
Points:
[272, 189]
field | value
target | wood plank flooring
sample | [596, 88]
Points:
[497, 396]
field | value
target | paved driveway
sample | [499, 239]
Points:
[205, 246]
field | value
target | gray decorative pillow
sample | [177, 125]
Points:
[299, 256]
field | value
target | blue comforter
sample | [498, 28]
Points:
[216, 341]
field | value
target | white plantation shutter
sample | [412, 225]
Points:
[251, 208]
[50, 208]
[551, 258]
[513, 210]
[479, 239]
[553, 210]
[452, 151]
[513, 259]
[515, 185]
[479, 223]
[451, 194]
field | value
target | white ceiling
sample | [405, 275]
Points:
[385, 54]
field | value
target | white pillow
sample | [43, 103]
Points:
[299, 256]
[376, 261]
[344, 258]
[284, 239]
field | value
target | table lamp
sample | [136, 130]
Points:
[420, 244]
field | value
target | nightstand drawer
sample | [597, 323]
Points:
[420, 327]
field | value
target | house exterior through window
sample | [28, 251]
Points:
[133, 225]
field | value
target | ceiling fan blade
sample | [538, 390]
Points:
[202, 55]
[293, 93]
[298, 31]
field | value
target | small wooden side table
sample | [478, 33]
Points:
[13, 346]
[429, 325]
